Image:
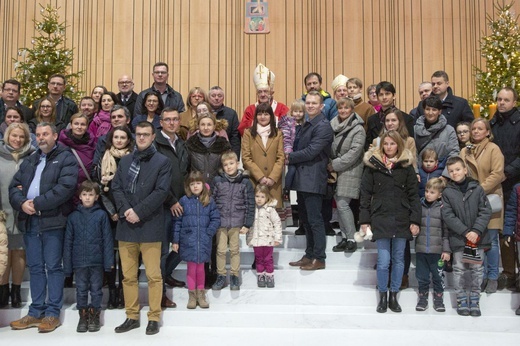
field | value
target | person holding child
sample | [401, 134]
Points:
[390, 206]
[193, 233]
[466, 212]
[264, 235]
[88, 250]
[234, 194]
[431, 247]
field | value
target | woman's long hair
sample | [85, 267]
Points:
[264, 108]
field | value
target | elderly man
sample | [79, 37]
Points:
[126, 94]
[41, 192]
[140, 187]
[216, 101]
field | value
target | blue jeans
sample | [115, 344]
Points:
[492, 257]
[426, 264]
[390, 249]
[315, 236]
[44, 252]
[89, 279]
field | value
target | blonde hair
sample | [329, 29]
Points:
[486, 124]
[298, 105]
[265, 190]
[435, 184]
[396, 137]
[197, 176]
[21, 126]
[229, 155]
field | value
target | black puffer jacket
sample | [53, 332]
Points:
[206, 160]
[389, 198]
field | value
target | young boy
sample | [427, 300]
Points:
[466, 213]
[429, 168]
[431, 246]
[88, 250]
[235, 197]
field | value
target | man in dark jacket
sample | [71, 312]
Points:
[126, 94]
[505, 126]
[311, 157]
[140, 187]
[216, 100]
[9, 97]
[171, 146]
[313, 82]
[65, 107]
[41, 192]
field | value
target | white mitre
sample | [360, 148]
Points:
[263, 77]
[338, 81]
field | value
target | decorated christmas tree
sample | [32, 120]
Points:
[47, 56]
[501, 49]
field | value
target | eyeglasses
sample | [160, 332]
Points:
[14, 91]
[171, 120]
[160, 72]
[144, 135]
[125, 82]
[462, 132]
[56, 84]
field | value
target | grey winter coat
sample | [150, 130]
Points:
[235, 200]
[467, 212]
[347, 160]
[433, 237]
[440, 137]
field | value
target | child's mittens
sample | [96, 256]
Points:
[362, 235]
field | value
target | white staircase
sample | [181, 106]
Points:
[332, 306]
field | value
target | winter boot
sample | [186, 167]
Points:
[383, 302]
[462, 306]
[93, 322]
[438, 302]
[235, 283]
[192, 300]
[393, 304]
[220, 283]
[16, 298]
[201, 299]
[404, 282]
[261, 280]
[474, 306]
[83, 321]
[4, 295]
[422, 304]
[120, 298]
[269, 280]
[112, 299]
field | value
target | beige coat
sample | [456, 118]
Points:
[265, 161]
[486, 164]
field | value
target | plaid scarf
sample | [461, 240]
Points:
[135, 167]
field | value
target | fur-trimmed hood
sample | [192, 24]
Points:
[218, 147]
[220, 125]
[373, 159]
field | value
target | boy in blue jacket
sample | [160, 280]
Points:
[88, 250]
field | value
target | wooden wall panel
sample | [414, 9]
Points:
[203, 41]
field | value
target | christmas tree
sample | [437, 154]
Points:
[48, 56]
[501, 49]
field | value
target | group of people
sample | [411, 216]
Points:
[148, 177]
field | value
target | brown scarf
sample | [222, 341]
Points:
[108, 164]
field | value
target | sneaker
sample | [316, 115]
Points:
[351, 246]
[474, 307]
[26, 322]
[220, 283]
[438, 302]
[422, 304]
[49, 324]
[492, 286]
[341, 247]
[462, 306]
[269, 279]
[235, 283]
[261, 280]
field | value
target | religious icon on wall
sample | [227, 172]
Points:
[257, 19]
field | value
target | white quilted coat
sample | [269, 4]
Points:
[267, 227]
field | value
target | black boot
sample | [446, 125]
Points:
[383, 302]
[393, 304]
[93, 322]
[83, 321]
[341, 247]
[16, 298]
[120, 299]
[4, 295]
[112, 299]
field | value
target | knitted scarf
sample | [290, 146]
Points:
[108, 164]
[207, 141]
[135, 167]
[263, 132]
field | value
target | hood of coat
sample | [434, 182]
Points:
[434, 204]
[340, 127]
[92, 209]
[26, 150]
[241, 174]
[271, 204]
[373, 159]
[219, 146]
[472, 183]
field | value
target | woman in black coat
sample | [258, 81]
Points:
[390, 207]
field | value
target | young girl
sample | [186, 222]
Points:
[463, 133]
[265, 234]
[193, 233]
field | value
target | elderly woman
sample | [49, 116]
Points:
[13, 149]
[485, 163]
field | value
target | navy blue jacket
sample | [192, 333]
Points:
[194, 230]
[231, 117]
[88, 240]
[57, 186]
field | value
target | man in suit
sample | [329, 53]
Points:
[9, 97]
[126, 94]
[65, 107]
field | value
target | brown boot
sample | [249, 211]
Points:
[26, 322]
[201, 299]
[314, 265]
[192, 300]
[404, 283]
[302, 262]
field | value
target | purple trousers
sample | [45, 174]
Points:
[264, 259]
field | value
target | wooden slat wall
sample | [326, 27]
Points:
[402, 41]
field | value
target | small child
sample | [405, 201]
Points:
[298, 114]
[512, 223]
[235, 198]
[432, 247]
[264, 235]
[429, 168]
[193, 234]
[466, 212]
[463, 133]
[88, 250]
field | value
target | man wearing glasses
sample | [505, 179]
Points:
[65, 107]
[9, 97]
[170, 97]
[126, 94]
